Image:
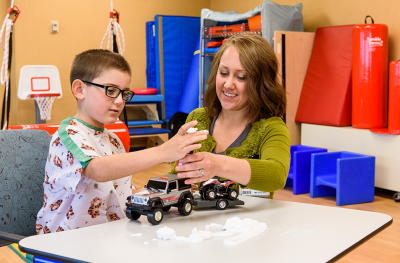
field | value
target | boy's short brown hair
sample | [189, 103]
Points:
[89, 64]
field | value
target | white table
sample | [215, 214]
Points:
[296, 233]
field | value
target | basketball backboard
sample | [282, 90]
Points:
[39, 80]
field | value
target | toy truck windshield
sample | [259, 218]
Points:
[157, 185]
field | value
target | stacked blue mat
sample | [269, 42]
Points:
[170, 45]
[151, 54]
[176, 39]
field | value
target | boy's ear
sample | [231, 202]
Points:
[77, 89]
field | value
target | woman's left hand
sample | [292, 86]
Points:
[199, 167]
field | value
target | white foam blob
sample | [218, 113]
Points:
[206, 234]
[136, 235]
[146, 243]
[224, 234]
[213, 227]
[166, 233]
[246, 229]
[195, 238]
[235, 232]
[191, 130]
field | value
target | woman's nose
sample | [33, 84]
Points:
[229, 82]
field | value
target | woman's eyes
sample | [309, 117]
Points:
[227, 74]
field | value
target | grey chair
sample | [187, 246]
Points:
[23, 155]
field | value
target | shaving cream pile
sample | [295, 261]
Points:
[235, 232]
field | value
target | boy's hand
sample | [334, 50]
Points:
[181, 144]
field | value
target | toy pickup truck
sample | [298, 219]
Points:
[162, 192]
[158, 196]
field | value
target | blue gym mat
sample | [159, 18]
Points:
[151, 54]
[175, 41]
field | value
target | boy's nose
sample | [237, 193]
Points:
[118, 99]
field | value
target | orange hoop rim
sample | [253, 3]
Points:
[32, 96]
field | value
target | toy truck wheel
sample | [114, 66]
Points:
[185, 208]
[210, 194]
[166, 208]
[396, 197]
[232, 194]
[222, 204]
[155, 216]
[132, 215]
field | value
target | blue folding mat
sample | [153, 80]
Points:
[175, 43]
[151, 55]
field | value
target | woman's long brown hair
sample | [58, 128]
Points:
[266, 96]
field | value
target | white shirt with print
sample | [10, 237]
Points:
[72, 200]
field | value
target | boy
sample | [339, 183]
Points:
[88, 173]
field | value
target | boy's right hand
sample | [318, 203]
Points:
[181, 144]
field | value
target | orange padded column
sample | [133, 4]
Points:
[370, 70]
[394, 101]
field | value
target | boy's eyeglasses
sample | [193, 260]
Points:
[114, 92]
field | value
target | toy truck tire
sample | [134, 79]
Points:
[396, 197]
[155, 216]
[222, 204]
[132, 214]
[232, 194]
[185, 207]
[210, 194]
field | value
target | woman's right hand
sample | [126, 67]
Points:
[181, 144]
[200, 167]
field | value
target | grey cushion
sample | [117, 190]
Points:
[23, 155]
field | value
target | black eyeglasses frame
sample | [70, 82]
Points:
[106, 89]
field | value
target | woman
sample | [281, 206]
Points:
[248, 142]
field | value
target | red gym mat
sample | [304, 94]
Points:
[326, 94]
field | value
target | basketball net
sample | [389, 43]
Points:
[44, 104]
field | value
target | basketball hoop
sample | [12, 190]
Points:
[41, 83]
[44, 102]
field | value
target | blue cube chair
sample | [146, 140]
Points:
[300, 168]
[349, 176]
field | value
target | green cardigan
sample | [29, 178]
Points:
[268, 138]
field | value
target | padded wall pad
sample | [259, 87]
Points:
[176, 39]
[326, 94]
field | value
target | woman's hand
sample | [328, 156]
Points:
[181, 144]
[199, 167]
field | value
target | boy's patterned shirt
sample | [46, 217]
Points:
[72, 200]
